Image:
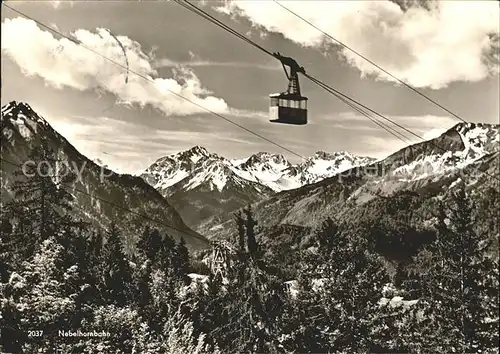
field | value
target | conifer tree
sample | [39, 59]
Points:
[94, 251]
[489, 214]
[327, 237]
[143, 242]
[143, 297]
[241, 231]
[254, 295]
[166, 252]
[180, 261]
[79, 281]
[117, 272]
[209, 312]
[149, 244]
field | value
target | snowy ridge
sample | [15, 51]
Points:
[22, 116]
[319, 167]
[477, 141]
[171, 169]
[265, 166]
[217, 174]
[22, 111]
[195, 167]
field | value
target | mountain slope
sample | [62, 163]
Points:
[465, 153]
[318, 167]
[21, 125]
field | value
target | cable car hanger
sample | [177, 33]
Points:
[289, 107]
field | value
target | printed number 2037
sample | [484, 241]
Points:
[35, 333]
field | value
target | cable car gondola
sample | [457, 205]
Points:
[289, 107]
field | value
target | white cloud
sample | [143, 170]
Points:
[167, 63]
[378, 147]
[63, 63]
[453, 41]
[258, 115]
[57, 3]
[433, 133]
[418, 124]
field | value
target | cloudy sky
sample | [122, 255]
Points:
[448, 50]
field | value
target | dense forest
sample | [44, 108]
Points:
[60, 274]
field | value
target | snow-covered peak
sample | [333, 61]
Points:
[22, 116]
[320, 166]
[325, 155]
[325, 165]
[171, 169]
[198, 150]
[195, 154]
[479, 139]
[460, 146]
[215, 173]
[192, 168]
[332, 156]
[266, 157]
[266, 167]
[21, 110]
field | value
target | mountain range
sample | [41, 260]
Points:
[406, 185]
[196, 192]
[197, 166]
[205, 187]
